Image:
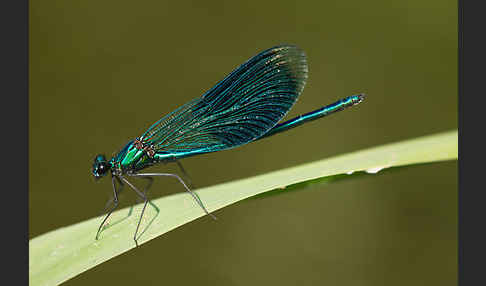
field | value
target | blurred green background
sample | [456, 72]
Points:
[102, 71]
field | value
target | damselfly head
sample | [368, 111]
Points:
[100, 166]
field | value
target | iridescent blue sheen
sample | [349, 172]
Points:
[316, 114]
[243, 107]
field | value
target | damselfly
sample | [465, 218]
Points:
[245, 106]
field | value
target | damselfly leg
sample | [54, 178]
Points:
[193, 194]
[185, 174]
[110, 201]
[115, 205]
[142, 195]
[147, 187]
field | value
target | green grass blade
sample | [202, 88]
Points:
[61, 254]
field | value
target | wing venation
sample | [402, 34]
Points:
[237, 110]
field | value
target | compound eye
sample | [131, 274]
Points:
[103, 168]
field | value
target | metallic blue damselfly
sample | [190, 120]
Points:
[245, 106]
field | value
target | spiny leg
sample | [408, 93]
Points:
[141, 194]
[193, 194]
[185, 174]
[115, 204]
[110, 201]
[147, 187]
[145, 192]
